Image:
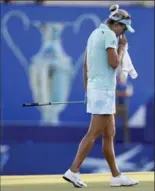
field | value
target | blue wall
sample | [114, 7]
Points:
[43, 158]
[15, 84]
[32, 145]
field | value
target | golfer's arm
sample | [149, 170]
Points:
[115, 56]
[85, 73]
[121, 93]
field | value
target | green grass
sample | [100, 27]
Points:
[100, 186]
[96, 182]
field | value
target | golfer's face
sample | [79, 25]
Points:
[121, 30]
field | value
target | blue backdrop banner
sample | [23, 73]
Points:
[42, 158]
[42, 58]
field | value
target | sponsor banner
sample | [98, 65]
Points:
[45, 158]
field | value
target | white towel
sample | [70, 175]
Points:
[126, 66]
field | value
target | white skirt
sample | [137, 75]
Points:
[101, 101]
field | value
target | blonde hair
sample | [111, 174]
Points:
[122, 14]
[119, 13]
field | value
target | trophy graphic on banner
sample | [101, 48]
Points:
[51, 72]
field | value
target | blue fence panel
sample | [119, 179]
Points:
[42, 158]
[32, 36]
[42, 59]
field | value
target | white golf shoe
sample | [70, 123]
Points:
[74, 178]
[123, 180]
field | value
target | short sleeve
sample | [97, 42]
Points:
[110, 40]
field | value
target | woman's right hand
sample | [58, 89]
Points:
[122, 40]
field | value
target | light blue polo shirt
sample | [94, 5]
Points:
[100, 74]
